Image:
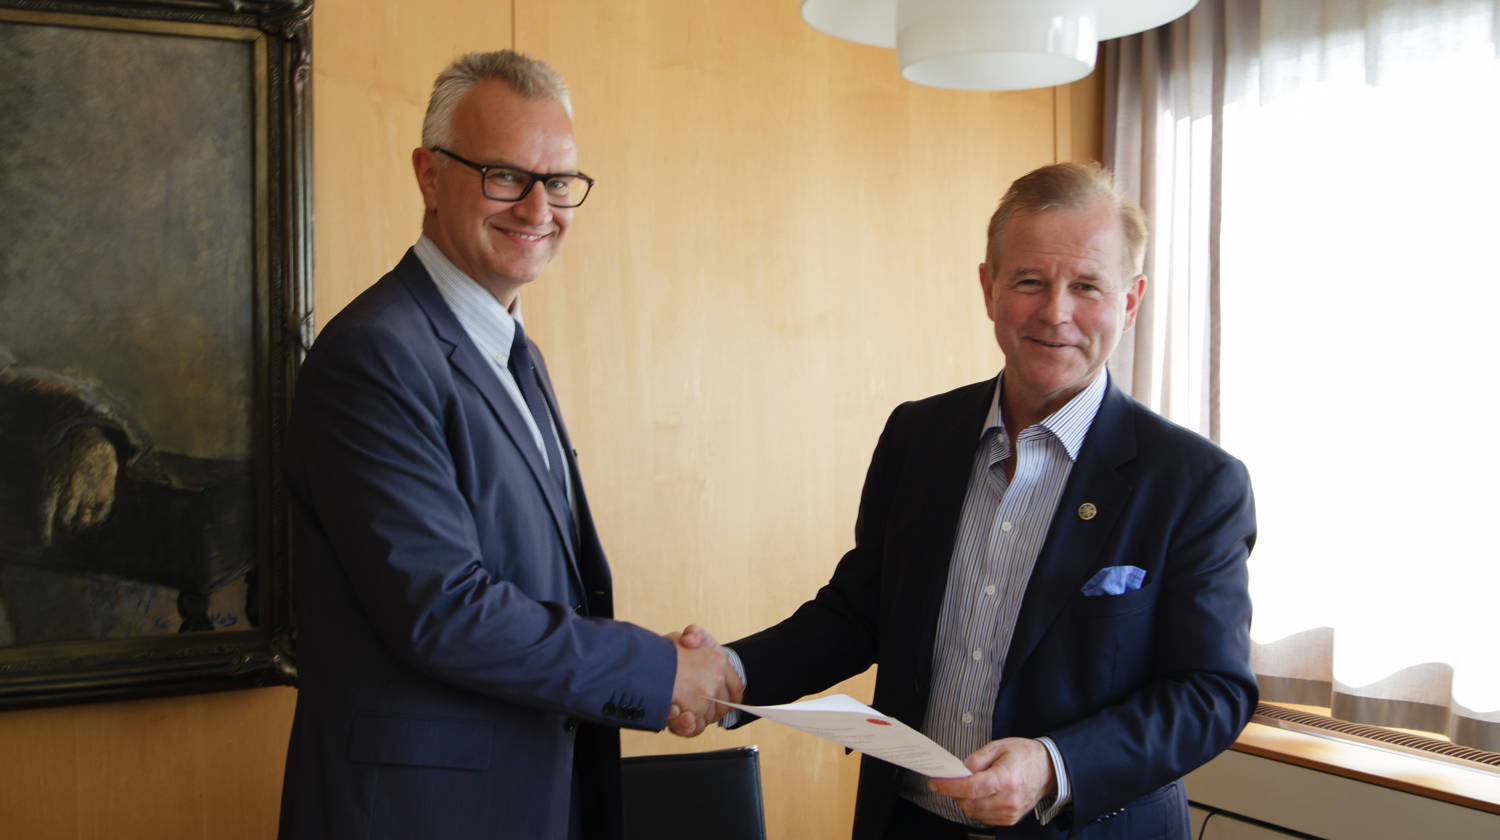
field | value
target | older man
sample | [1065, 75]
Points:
[1050, 576]
[460, 672]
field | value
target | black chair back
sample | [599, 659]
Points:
[694, 795]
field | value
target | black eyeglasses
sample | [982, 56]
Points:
[506, 183]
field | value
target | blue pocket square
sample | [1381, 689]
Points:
[1115, 580]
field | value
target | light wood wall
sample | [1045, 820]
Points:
[198, 767]
[781, 248]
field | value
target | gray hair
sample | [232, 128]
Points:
[530, 77]
[1070, 185]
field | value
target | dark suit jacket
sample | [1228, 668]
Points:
[455, 652]
[1135, 689]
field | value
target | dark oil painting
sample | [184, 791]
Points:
[133, 344]
[125, 363]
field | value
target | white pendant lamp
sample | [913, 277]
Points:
[990, 44]
[1118, 18]
[996, 44]
[870, 22]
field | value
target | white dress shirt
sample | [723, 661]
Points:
[492, 328]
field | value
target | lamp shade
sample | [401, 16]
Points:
[1118, 18]
[873, 22]
[870, 22]
[996, 44]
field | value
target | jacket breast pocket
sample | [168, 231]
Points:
[422, 742]
[1115, 606]
[1112, 637]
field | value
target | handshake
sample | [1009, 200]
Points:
[704, 674]
[1010, 775]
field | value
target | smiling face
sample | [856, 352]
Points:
[1059, 297]
[502, 245]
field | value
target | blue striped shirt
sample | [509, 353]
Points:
[1000, 532]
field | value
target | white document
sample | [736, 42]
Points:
[850, 723]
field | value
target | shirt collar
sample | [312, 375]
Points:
[1069, 424]
[489, 325]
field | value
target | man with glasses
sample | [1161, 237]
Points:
[460, 672]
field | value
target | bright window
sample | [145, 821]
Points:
[1322, 179]
[1360, 328]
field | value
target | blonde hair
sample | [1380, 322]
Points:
[1070, 185]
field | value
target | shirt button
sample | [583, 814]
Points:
[989, 590]
[978, 655]
[1005, 526]
[967, 718]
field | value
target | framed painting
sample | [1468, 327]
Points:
[155, 254]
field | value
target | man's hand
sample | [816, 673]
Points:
[78, 482]
[1010, 777]
[703, 671]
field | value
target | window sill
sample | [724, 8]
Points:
[1429, 777]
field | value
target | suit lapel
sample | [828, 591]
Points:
[598, 573]
[1073, 543]
[466, 358]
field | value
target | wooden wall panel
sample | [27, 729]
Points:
[782, 246]
[1079, 117]
[39, 776]
[197, 767]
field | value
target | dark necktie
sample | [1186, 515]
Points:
[524, 370]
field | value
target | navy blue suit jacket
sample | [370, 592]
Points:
[457, 661]
[1135, 689]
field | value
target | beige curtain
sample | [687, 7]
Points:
[1320, 179]
[1163, 95]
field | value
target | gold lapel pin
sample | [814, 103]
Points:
[1087, 511]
